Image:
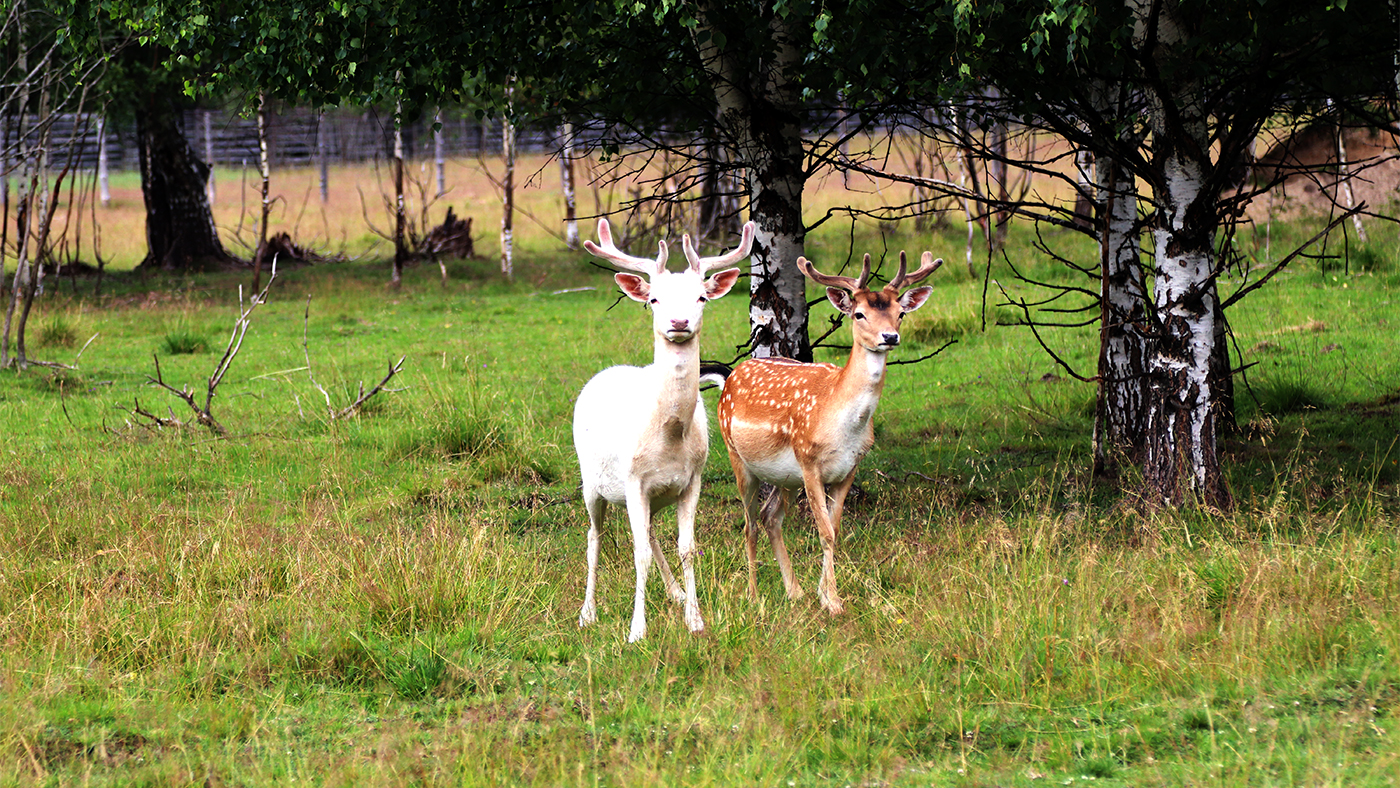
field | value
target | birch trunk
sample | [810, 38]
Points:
[1089, 196]
[321, 157]
[208, 124]
[998, 187]
[400, 220]
[1122, 402]
[765, 125]
[439, 160]
[566, 181]
[104, 189]
[24, 203]
[1344, 182]
[266, 172]
[508, 195]
[1183, 450]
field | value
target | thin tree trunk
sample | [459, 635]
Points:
[103, 187]
[1344, 182]
[566, 180]
[1088, 197]
[968, 179]
[24, 203]
[8, 121]
[508, 189]
[400, 219]
[208, 123]
[439, 160]
[24, 200]
[997, 186]
[322, 157]
[266, 172]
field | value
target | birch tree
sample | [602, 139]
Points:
[1173, 92]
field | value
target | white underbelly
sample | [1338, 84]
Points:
[781, 469]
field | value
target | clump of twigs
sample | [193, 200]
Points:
[204, 414]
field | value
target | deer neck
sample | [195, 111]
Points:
[678, 366]
[861, 381]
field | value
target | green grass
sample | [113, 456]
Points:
[391, 599]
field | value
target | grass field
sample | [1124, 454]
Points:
[392, 599]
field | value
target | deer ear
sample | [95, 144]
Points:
[634, 286]
[915, 298]
[840, 299]
[721, 283]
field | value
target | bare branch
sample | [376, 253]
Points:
[204, 415]
[354, 407]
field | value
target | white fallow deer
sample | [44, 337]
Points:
[640, 432]
[795, 425]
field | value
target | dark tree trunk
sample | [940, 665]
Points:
[180, 232]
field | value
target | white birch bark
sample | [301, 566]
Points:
[400, 217]
[1121, 411]
[104, 189]
[265, 171]
[566, 181]
[206, 116]
[1124, 345]
[1182, 442]
[321, 157]
[1344, 181]
[508, 191]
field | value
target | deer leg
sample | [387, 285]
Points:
[685, 542]
[837, 500]
[597, 507]
[773, 511]
[826, 529]
[748, 494]
[639, 516]
[672, 587]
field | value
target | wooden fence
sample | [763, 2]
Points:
[295, 136]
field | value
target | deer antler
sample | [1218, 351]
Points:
[609, 251]
[927, 265]
[703, 264]
[843, 282]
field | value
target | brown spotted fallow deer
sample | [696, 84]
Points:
[807, 426]
[640, 432]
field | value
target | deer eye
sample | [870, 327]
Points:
[704, 300]
[652, 301]
[859, 315]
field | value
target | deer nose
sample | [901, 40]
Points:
[680, 325]
[890, 338]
